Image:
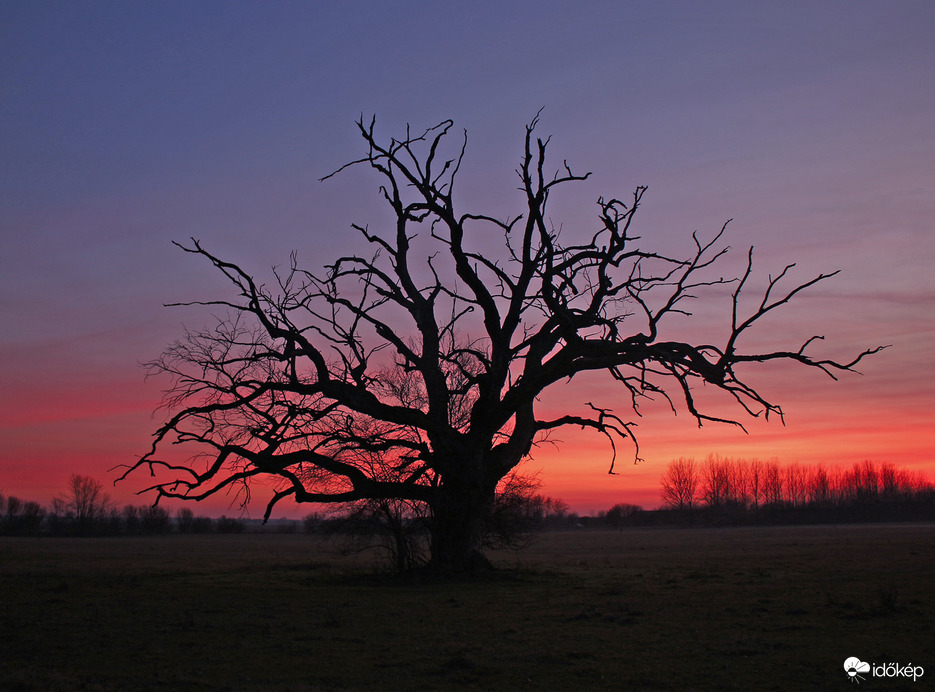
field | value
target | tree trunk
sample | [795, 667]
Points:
[457, 528]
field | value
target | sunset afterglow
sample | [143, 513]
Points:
[127, 126]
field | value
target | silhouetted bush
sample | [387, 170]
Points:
[621, 515]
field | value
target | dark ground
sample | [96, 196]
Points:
[705, 609]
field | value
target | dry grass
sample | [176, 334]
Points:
[731, 609]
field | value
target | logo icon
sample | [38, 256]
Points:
[854, 667]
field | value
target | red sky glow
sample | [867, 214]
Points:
[129, 125]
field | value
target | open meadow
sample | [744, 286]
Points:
[704, 609]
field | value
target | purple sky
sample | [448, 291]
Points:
[126, 125]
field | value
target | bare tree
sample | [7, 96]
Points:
[756, 482]
[795, 485]
[820, 486]
[750, 484]
[772, 483]
[389, 375]
[185, 520]
[680, 484]
[84, 505]
[738, 482]
[715, 481]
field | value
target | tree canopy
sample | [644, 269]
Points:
[412, 369]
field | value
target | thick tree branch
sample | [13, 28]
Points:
[414, 372]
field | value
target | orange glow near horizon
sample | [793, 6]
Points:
[809, 125]
[102, 417]
[575, 468]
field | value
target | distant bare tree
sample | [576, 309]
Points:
[820, 486]
[680, 484]
[867, 480]
[795, 485]
[756, 482]
[772, 483]
[84, 505]
[889, 479]
[738, 482]
[715, 481]
[185, 520]
[413, 371]
[867, 489]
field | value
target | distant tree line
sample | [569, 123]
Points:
[715, 491]
[85, 509]
[739, 489]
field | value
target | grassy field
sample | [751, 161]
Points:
[708, 609]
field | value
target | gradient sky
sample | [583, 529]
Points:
[124, 126]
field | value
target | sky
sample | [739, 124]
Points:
[126, 126]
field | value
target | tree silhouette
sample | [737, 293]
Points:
[84, 505]
[389, 375]
[680, 483]
[750, 491]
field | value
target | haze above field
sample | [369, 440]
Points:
[129, 125]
